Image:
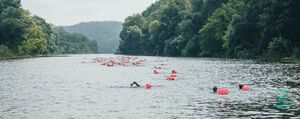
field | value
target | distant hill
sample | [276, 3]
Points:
[106, 33]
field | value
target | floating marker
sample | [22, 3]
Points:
[222, 92]
[148, 86]
[155, 72]
[171, 78]
[174, 71]
[173, 75]
[245, 88]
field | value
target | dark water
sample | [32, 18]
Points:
[66, 88]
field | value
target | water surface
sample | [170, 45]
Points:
[66, 88]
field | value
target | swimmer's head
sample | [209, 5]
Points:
[215, 89]
[241, 86]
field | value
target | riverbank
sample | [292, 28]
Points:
[258, 59]
[28, 56]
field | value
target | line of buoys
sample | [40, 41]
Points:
[118, 61]
[173, 75]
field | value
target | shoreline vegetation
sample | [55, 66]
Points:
[233, 29]
[243, 29]
[25, 35]
[16, 57]
[261, 60]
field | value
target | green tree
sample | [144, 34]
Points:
[279, 48]
[131, 40]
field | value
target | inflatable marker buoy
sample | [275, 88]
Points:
[155, 72]
[222, 92]
[173, 75]
[283, 106]
[171, 78]
[245, 88]
[174, 71]
[148, 86]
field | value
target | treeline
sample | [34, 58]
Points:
[106, 33]
[22, 34]
[215, 28]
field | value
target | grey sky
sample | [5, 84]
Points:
[68, 12]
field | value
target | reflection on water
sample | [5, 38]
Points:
[64, 87]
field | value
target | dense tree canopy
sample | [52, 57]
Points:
[215, 28]
[106, 33]
[23, 34]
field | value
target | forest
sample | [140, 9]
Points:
[22, 34]
[106, 33]
[266, 29]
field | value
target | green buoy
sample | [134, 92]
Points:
[283, 106]
[282, 101]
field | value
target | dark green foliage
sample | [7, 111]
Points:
[23, 34]
[279, 47]
[217, 28]
[5, 51]
[48, 33]
[105, 33]
[74, 43]
[134, 35]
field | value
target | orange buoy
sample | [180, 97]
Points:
[174, 71]
[222, 92]
[171, 78]
[148, 86]
[245, 88]
[173, 75]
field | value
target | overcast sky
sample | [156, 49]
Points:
[69, 12]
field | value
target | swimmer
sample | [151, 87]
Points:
[244, 87]
[220, 91]
[241, 86]
[174, 71]
[135, 83]
[215, 89]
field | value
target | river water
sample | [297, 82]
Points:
[75, 88]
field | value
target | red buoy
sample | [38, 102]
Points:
[245, 88]
[173, 75]
[155, 72]
[222, 91]
[174, 71]
[148, 86]
[171, 78]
